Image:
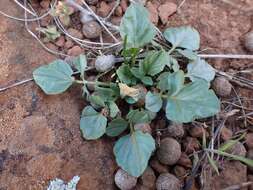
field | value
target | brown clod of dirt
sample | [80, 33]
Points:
[148, 179]
[92, 30]
[222, 86]
[124, 181]
[167, 181]
[248, 41]
[153, 11]
[176, 130]
[166, 10]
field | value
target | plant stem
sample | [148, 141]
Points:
[131, 128]
[172, 49]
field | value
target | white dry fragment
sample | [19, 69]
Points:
[58, 184]
[104, 62]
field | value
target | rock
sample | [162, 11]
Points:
[104, 63]
[60, 42]
[75, 33]
[233, 173]
[249, 140]
[91, 87]
[222, 86]
[169, 151]
[179, 171]
[119, 11]
[185, 161]
[92, 30]
[197, 132]
[84, 18]
[176, 130]
[167, 181]
[250, 156]
[68, 44]
[248, 41]
[45, 4]
[46, 21]
[238, 149]
[226, 134]
[166, 10]
[104, 9]
[124, 181]
[144, 127]
[32, 134]
[158, 167]
[191, 145]
[92, 2]
[47, 166]
[153, 12]
[75, 51]
[124, 5]
[147, 180]
[51, 46]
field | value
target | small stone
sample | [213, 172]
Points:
[51, 46]
[222, 86]
[124, 181]
[68, 44]
[179, 171]
[84, 18]
[176, 130]
[198, 132]
[144, 127]
[92, 30]
[92, 78]
[248, 41]
[75, 33]
[104, 9]
[119, 11]
[148, 178]
[44, 22]
[167, 181]
[185, 161]
[158, 167]
[92, 2]
[249, 140]
[47, 166]
[45, 4]
[250, 156]
[75, 51]
[226, 134]
[153, 12]
[166, 10]
[191, 145]
[104, 62]
[169, 151]
[237, 149]
[116, 20]
[124, 5]
[60, 42]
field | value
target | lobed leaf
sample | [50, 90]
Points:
[116, 127]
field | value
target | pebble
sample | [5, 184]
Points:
[226, 134]
[167, 181]
[158, 167]
[124, 181]
[60, 42]
[222, 86]
[75, 51]
[169, 151]
[198, 132]
[104, 9]
[68, 43]
[176, 130]
[166, 10]
[238, 149]
[185, 161]
[75, 33]
[179, 171]
[148, 179]
[92, 30]
[191, 145]
[153, 12]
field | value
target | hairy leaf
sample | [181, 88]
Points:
[113, 108]
[184, 36]
[133, 151]
[153, 102]
[189, 54]
[137, 116]
[136, 25]
[193, 101]
[125, 75]
[54, 78]
[116, 127]
[200, 69]
[80, 64]
[92, 123]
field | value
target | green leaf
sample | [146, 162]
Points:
[113, 108]
[188, 54]
[133, 151]
[147, 81]
[163, 84]
[136, 25]
[80, 64]
[125, 75]
[200, 69]
[54, 78]
[194, 101]
[96, 100]
[116, 127]
[213, 164]
[50, 32]
[230, 143]
[247, 161]
[173, 63]
[154, 63]
[153, 102]
[92, 123]
[108, 94]
[184, 36]
[137, 116]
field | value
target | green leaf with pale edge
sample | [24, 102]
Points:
[136, 25]
[116, 127]
[80, 64]
[133, 151]
[184, 36]
[113, 108]
[154, 63]
[96, 100]
[92, 123]
[153, 102]
[54, 78]
[137, 116]
[194, 101]
[200, 69]
[188, 54]
[125, 75]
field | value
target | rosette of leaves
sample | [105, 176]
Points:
[51, 33]
[182, 94]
